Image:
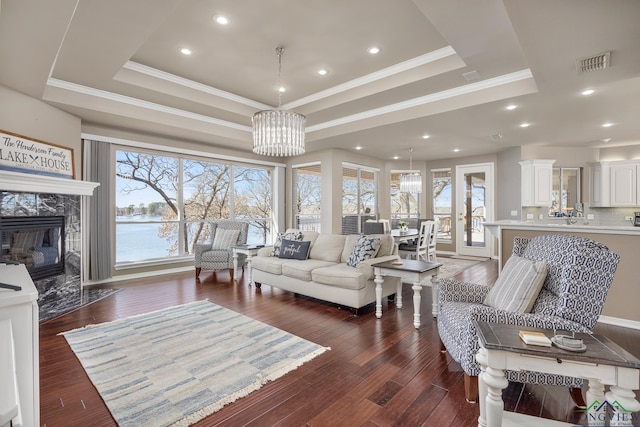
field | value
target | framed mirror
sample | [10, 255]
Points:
[566, 191]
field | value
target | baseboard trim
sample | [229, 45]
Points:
[616, 321]
[134, 276]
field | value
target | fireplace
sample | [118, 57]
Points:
[38, 242]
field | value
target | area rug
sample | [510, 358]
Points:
[452, 266]
[175, 366]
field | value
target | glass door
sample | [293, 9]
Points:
[474, 206]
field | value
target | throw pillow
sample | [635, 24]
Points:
[291, 235]
[224, 238]
[366, 247]
[293, 249]
[518, 285]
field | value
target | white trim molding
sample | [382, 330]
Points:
[32, 183]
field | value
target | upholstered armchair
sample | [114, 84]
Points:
[218, 253]
[578, 274]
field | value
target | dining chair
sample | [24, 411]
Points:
[420, 250]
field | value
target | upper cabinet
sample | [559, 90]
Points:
[615, 184]
[537, 180]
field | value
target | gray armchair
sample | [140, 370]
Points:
[579, 274]
[217, 254]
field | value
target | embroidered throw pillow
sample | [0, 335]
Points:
[224, 238]
[291, 235]
[293, 249]
[518, 285]
[366, 247]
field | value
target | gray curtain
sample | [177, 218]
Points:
[99, 170]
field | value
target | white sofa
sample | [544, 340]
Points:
[325, 275]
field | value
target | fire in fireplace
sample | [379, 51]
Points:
[36, 241]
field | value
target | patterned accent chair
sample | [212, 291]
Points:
[221, 258]
[580, 272]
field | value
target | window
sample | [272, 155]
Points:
[565, 193]
[403, 205]
[307, 193]
[164, 203]
[442, 202]
[359, 197]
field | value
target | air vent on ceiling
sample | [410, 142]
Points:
[471, 75]
[594, 63]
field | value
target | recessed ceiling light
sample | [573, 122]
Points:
[425, 136]
[607, 125]
[455, 150]
[396, 157]
[358, 147]
[525, 125]
[373, 50]
[221, 19]
[282, 89]
[605, 140]
[323, 72]
[511, 107]
[588, 92]
[185, 51]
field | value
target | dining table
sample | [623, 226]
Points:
[403, 236]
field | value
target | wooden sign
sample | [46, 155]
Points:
[21, 154]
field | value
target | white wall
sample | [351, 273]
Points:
[35, 119]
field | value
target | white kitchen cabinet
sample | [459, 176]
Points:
[536, 183]
[623, 184]
[19, 365]
[614, 184]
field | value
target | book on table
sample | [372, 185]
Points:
[535, 338]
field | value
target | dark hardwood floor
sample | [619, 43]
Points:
[380, 372]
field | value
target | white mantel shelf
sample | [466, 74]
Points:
[33, 183]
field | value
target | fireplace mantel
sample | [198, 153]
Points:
[32, 183]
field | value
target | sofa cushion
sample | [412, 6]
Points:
[387, 245]
[328, 247]
[291, 249]
[349, 243]
[302, 270]
[339, 275]
[295, 235]
[225, 238]
[268, 264]
[518, 285]
[366, 247]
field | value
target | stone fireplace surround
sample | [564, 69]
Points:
[38, 195]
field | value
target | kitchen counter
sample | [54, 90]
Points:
[560, 225]
[621, 307]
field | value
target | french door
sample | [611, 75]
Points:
[474, 206]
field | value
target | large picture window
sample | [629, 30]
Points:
[359, 197]
[164, 204]
[307, 191]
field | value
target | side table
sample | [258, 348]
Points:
[413, 271]
[603, 363]
[248, 250]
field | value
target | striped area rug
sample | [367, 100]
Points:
[174, 367]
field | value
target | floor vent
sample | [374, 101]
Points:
[594, 63]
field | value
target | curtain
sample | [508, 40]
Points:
[98, 169]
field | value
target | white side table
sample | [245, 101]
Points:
[248, 250]
[603, 363]
[413, 271]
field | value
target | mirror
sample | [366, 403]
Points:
[566, 191]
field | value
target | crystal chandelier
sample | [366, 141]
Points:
[278, 132]
[411, 182]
